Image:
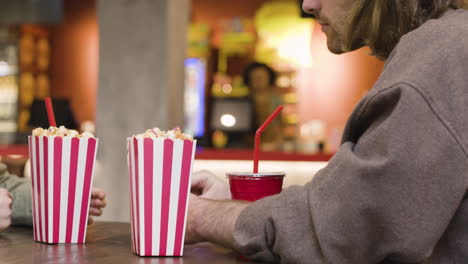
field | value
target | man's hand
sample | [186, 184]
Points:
[6, 202]
[210, 220]
[207, 185]
[98, 201]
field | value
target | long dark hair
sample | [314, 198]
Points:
[384, 22]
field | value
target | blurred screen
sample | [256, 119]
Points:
[231, 115]
[62, 110]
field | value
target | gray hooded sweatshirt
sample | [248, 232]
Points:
[395, 192]
[20, 190]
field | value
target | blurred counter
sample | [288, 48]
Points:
[208, 154]
[297, 172]
[299, 168]
[247, 154]
[6, 150]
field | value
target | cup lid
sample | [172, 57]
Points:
[259, 174]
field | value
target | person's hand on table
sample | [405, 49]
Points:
[6, 202]
[98, 201]
[207, 185]
[211, 214]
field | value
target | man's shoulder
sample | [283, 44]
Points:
[450, 23]
[424, 55]
[434, 60]
[439, 35]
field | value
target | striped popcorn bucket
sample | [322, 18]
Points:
[62, 173]
[160, 173]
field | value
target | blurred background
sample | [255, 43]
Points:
[215, 68]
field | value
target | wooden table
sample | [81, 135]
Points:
[106, 242]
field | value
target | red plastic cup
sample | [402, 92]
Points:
[250, 186]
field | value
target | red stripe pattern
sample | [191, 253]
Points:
[160, 173]
[46, 185]
[57, 188]
[38, 190]
[88, 180]
[166, 192]
[148, 185]
[75, 147]
[58, 166]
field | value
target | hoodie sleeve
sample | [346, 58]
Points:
[20, 190]
[387, 194]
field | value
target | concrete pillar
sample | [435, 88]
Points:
[142, 47]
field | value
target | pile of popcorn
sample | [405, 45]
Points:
[60, 132]
[175, 133]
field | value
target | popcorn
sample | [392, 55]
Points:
[60, 132]
[171, 134]
[73, 133]
[157, 132]
[87, 135]
[38, 132]
[175, 133]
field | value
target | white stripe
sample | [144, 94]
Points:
[64, 188]
[130, 192]
[141, 196]
[188, 196]
[133, 198]
[41, 186]
[34, 192]
[174, 200]
[132, 205]
[50, 194]
[80, 175]
[158, 154]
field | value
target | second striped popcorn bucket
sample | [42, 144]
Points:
[160, 173]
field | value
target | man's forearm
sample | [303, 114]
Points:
[215, 220]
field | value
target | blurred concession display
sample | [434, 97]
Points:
[24, 76]
[34, 81]
[8, 82]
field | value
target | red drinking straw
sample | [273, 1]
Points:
[259, 133]
[50, 112]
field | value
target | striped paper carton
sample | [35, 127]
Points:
[160, 172]
[62, 174]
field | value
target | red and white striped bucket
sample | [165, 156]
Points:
[62, 173]
[160, 174]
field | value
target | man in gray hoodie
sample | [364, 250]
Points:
[395, 192]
